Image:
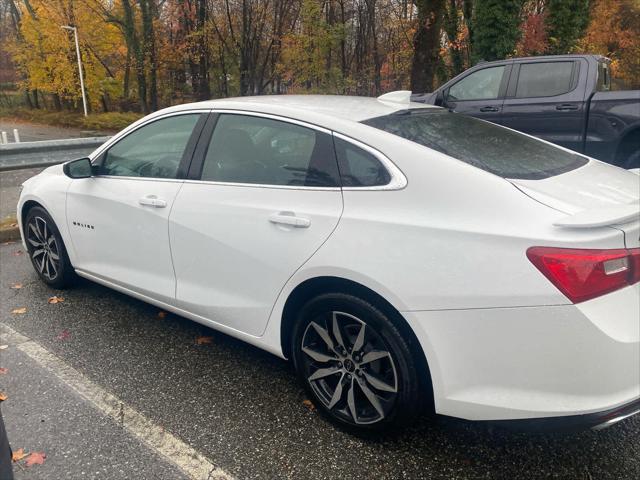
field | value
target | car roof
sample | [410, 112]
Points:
[321, 110]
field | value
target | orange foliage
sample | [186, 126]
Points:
[614, 31]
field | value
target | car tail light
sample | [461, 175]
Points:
[585, 274]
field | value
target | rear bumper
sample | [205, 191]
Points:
[570, 423]
[535, 362]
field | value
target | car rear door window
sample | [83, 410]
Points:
[359, 168]
[544, 79]
[154, 150]
[480, 85]
[482, 144]
[259, 150]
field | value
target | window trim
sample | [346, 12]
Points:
[97, 157]
[397, 179]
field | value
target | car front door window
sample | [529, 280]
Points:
[481, 85]
[153, 151]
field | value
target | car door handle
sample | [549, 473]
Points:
[489, 109]
[152, 201]
[567, 106]
[290, 218]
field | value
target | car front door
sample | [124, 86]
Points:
[480, 93]
[118, 218]
[546, 99]
[264, 195]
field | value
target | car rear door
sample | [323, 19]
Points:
[262, 196]
[480, 93]
[119, 218]
[546, 98]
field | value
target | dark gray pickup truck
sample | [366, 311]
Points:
[565, 99]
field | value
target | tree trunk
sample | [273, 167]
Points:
[204, 91]
[426, 45]
[148, 37]
[133, 43]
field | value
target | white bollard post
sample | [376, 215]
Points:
[16, 135]
[5, 140]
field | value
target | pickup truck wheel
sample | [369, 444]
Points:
[633, 161]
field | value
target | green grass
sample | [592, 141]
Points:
[110, 121]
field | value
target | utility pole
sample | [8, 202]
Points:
[75, 36]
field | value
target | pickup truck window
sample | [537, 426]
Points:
[480, 85]
[482, 144]
[604, 78]
[544, 79]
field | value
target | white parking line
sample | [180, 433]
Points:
[190, 461]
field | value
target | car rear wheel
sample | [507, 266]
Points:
[46, 249]
[355, 363]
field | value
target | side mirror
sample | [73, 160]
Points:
[80, 168]
[439, 100]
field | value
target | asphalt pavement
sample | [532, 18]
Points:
[237, 406]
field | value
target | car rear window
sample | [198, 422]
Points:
[484, 145]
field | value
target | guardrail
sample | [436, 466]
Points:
[16, 156]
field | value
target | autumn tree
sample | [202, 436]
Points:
[616, 34]
[533, 40]
[47, 52]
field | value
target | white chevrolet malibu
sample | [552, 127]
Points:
[402, 257]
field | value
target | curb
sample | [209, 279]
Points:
[10, 235]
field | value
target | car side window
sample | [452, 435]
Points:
[544, 79]
[359, 168]
[259, 150]
[481, 85]
[154, 150]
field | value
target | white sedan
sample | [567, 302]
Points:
[402, 257]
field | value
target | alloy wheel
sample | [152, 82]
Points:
[349, 368]
[43, 248]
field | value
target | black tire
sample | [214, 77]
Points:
[47, 250]
[633, 160]
[353, 366]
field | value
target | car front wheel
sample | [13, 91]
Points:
[46, 249]
[355, 363]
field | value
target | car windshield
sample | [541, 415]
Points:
[492, 148]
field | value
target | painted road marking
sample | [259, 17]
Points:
[190, 461]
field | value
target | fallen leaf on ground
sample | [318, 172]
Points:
[8, 243]
[4, 347]
[162, 314]
[55, 299]
[3, 371]
[204, 340]
[36, 458]
[19, 311]
[309, 405]
[16, 286]
[18, 455]
[12, 225]
[18, 253]
[64, 335]
[3, 397]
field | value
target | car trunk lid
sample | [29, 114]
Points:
[592, 196]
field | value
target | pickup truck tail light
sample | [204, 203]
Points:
[585, 274]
